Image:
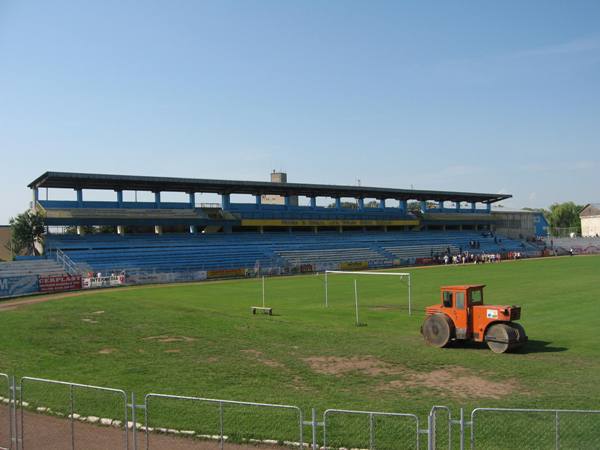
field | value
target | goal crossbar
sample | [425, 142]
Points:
[347, 272]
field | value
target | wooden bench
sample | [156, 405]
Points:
[262, 309]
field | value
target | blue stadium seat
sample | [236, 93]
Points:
[179, 252]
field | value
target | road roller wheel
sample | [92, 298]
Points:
[501, 338]
[438, 330]
[521, 335]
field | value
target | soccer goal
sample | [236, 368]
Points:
[403, 278]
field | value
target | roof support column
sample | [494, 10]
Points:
[192, 199]
[157, 200]
[225, 201]
[258, 200]
[338, 203]
[488, 207]
[36, 195]
[457, 206]
[286, 201]
[403, 205]
[423, 206]
[473, 206]
[361, 203]
[441, 205]
[120, 199]
[79, 197]
[313, 202]
[382, 203]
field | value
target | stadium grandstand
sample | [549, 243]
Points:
[334, 227]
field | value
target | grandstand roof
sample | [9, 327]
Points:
[69, 180]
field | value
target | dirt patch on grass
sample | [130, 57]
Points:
[98, 312]
[457, 382]
[260, 357]
[298, 384]
[107, 351]
[87, 320]
[386, 308]
[338, 366]
[173, 350]
[165, 339]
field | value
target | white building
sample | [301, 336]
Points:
[590, 220]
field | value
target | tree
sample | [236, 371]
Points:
[26, 230]
[348, 205]
[564, 216]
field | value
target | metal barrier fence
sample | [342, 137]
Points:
[535, 428]
[212, 421]
[72, 387]
[398, 434]
[7, 392]
[233, 422]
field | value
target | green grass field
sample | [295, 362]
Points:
[202, 340]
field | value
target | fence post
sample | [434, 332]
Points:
[314, 429]
[133, 422]
[22, 414]
[462, 429]
[557, 431]
[71, 395]
[371, 437]
[12, 413]
[221, 424]
[431, 431]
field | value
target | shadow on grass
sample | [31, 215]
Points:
[535, 346]
[532, 346]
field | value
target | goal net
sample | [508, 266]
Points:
[376, 289]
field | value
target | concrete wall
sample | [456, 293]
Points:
[278, 177]
[590, 226]
[4, 240]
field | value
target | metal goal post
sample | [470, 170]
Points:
[401, 275]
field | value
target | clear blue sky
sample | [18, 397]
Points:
[476, 96]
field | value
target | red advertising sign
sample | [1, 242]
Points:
[60, 283]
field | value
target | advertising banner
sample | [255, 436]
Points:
[13, 286]
[305, 268]
[326, 223]
[354, 265]
[165, 277]
[59, 283]
[226, 273]
[320, 267]
[100, 282]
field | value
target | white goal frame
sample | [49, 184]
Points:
[402, 275]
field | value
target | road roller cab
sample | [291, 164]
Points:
[462, 315]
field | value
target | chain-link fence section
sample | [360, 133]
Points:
[370, 429]
[83, 402]
[505, 428]
[440, 428]
[225, 421]
[228, 423]
[7, 406]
